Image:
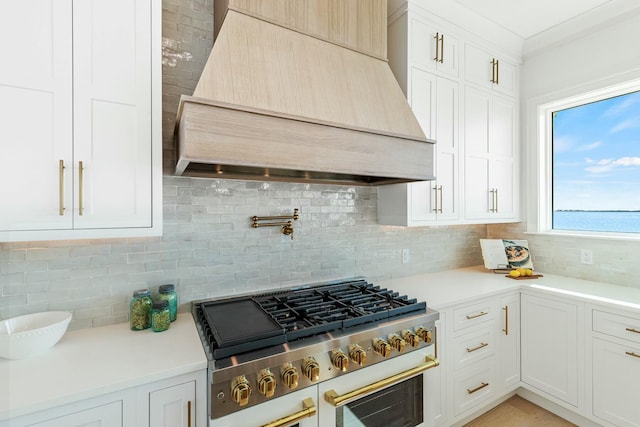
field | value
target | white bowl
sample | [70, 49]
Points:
[32, 334]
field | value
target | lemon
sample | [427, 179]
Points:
[514, 273]
[529, 272]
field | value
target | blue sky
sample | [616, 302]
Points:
[596, 155]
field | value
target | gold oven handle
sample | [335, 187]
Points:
[338, 400]
[308, 410]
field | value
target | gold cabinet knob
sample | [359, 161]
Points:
[340, 360]
[397, 343]
[410, 338]
[290, 376]
[381, 347]
[424, 334]
[358, 354]
[240, 390]
[266, 383]
[311, 369]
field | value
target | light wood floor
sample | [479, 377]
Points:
[518, 412]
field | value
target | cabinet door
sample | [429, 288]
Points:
[550, 347]
[112, 113]
[104, 416]
[509, 341]
[423, 46]
[489, 71]
[173, 406]
[434, 101]
[35, 115]
[490, 168]
[616, 369]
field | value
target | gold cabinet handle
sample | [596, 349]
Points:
[61, 187]
[495, 193]
[482, 345]
[631, 353]
[634, 330]
[436, 38]
[308, 410]
[493, 70]
[442, 48]
[80, 185]
[506, 320]
[188, 413]
[440, 190]
[338, 400]
[435, 196]
[482, 313]
[497, 72]
[480, 387]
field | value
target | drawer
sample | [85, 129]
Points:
[473, 314]
[469, 348]
[616, 325]
[474, 385]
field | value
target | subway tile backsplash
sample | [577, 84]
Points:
[209, 249]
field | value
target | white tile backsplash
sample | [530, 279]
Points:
[209, 249]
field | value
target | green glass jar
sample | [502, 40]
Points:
[140, 310]
[168, 293]
[160, 316]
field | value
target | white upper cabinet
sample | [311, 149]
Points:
[35, 115]
[490, 71]
[83, 145]
[491, 173]
[433, 48]
[474, 125]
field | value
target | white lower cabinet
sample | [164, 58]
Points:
[174, 402]
[173, 406]
[615, 364]
[552, 339]
[109, 415]
[483, 351]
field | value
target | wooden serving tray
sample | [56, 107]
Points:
[534, 276]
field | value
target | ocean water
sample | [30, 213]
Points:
[614, 221]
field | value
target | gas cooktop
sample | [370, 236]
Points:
[238, 325]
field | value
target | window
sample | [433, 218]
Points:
[594, 160]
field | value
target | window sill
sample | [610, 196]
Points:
[576, 234]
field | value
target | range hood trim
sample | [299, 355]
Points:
[351, 151]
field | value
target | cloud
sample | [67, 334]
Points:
[622, 106]
[626, 124]
[562, 144]
[606, 165]
[589, 147]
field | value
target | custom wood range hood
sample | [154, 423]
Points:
[300, 90]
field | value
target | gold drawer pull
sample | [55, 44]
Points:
[308, 410]
[61, 188]
[338, 400]
[482, 313]
[480, 387]
[631, 353]
[634, 330]
[482, 345]
[506, 320]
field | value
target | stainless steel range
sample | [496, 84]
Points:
[265, 347]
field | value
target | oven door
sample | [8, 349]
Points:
[388, 394]
[298, 409]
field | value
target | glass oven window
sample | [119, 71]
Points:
[397, 406]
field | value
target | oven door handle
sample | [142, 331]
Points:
[338, 400]
[308, 410]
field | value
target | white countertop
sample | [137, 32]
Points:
[96, 361]
[92, 362]
[446, 288]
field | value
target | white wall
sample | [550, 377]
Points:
[592, 61]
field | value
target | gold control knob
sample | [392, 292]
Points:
[397, 343]
[290, 376]
[410, 338]
[424, 334]
[311, 369]
[381, 347]
[340, 360]
[266, 383]
[358, 354]
[240, 390]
